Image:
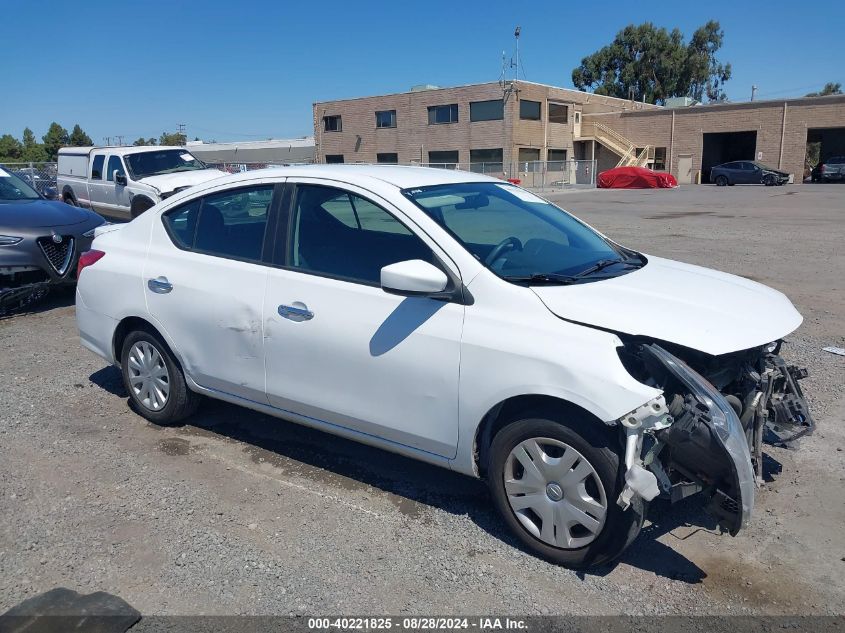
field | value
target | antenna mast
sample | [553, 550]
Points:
[509, 86]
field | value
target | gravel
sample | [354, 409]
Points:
[240, 513]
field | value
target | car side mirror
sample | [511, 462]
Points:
[412, 278]
[119, 178]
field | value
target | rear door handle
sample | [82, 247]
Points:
[296, 312]
[160, 285]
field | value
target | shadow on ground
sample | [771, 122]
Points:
[412, 485]
[57, 297]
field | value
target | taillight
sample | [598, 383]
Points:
[86, 259]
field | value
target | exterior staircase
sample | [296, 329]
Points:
[618, 144]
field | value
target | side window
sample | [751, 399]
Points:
[227, 224]
[340, 234]
[97, 167]
[115, 164]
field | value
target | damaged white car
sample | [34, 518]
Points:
[459, 320]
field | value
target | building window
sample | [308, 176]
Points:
[558, 113]
[485, 161]
[487, 110]
[334, 159]
[386, 118]
[529, 110]
[529, 159]
[388, 158]
[659, 159]
[332, 123]
[443, 114]
[556, 160]
[447, 160]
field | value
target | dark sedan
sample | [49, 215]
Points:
[747, 172]
[40, 242]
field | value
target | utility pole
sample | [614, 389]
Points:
[119, 138]
[181, 129]
[107, 139]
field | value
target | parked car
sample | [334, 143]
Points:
[43, 185]
[124, 182]
[40, 241]
[828, 170]
[747, 172]
[459, 320]
[635, 178]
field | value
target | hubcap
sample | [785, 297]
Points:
[148, 376]
[555, 493]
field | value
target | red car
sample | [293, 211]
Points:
[635, 178]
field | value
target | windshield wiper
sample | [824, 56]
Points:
[605, 263]
[542, 278]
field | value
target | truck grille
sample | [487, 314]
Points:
[59, 254]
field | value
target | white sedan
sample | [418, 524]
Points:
[460, 320]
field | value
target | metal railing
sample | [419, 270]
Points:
[39, 176]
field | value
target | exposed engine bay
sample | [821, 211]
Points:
[705, 433]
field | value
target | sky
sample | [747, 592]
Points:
[251, 70]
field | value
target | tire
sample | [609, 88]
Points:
[769, 181]
[179, 401]
[139, 205]
[721, 181]
[69, 199]
[592, 443]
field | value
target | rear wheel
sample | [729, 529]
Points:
[721, 181]
[68, 199]
[556, 487]
[154, 379]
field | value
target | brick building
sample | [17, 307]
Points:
[485, 128]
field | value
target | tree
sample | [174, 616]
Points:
[10, 149]
[78, 138]
[177, 138]
[55, 138]
[141, 141]
[33, 151]
[651, 64]
[830, 88]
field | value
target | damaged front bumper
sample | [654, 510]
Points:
[694, 438]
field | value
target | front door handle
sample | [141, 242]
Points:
[160, 285]
[298, 311]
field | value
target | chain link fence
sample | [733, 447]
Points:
[39, 176]
[540, 175]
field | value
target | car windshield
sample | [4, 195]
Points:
[520, 236]
[166, 161]
[13, 188]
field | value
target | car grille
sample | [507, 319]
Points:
[58, 254]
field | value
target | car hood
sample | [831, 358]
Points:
[39, 213]
[696, 307]
[169, 182]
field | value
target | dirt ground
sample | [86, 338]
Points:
[240, 513]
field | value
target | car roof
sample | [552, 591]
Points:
[401, 176]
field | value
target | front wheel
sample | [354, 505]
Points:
[139, 205]
[769, 181]
[556, 487]
[154, 379]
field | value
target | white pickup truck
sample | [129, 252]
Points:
[124, 182]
